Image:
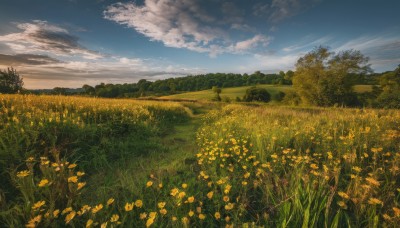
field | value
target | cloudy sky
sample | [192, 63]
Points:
[69, 43]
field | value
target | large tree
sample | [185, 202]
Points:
[323, 78]
[10, 81]
[390, 90]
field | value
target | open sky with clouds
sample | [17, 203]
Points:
[68, 43]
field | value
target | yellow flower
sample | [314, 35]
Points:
[149, 183]
[89, 223]
[73, 179]
[342, 204]
[103, 225]
[38, 205]
[97, 208]
[246, 175]
[23, 173]
[184, 186]
[191, 199]
[128, 206]
[202, 216]
[143, 215]
[343, 195]
[227, 189]
[66, 210]
[55, 213]
[244, 183]
[181, 195]
[174, 218]
[210, 195]
[374, 201]
[229, 206]
[110, 201]
[114, 218]
[174, 191]
[71, 166]
[149, 222]
[43, 183]
[69, 217]
[161, 205]
[84, 209]
[152, 214]
[191, 213]
[160, 185]
[372, 181]
[185, 220]
[217, 215]
[396, 211]
[139, 203]
[79, 173]
[163, 211]
[314, 166]
[226, 198]
[81, 185]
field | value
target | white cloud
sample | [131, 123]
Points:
[182, 24]
[40, 36]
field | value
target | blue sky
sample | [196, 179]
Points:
[69, 43]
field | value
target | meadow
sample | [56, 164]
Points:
[234, 92]
[93, 162]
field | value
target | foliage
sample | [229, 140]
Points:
[323, 78]
[217, 91]
[257, 94]
[390, 90]
[10, 81]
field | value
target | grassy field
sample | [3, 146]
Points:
[101, 162]
[232, 93]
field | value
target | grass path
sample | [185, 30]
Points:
[128, 177]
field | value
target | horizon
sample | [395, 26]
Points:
[71, 43]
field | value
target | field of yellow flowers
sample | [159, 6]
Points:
[253, 166]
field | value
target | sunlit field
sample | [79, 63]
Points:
[93, 162]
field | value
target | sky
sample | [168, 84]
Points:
[69, 43]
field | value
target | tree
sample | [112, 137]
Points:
[217, 91]
[390, 90]
[323, 78]
[10, 81]
[88, 89]
[257, 94]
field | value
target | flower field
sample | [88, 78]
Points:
[253, 166]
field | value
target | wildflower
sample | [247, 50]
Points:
[72, 179]
[246, 175]
[181, 195]
[174, 218]
[342, 204]
[210, 194]
[103, 225]
[160, 185]
[372, 181]
[343, 195]
[226, 198]
[161, 205]
[191, 213]
[97, 208]
[71, 166]
[229, 206]
[55, 213]
[79, 173]
[66, 210]
[43, 183]
[163, 211]
[185, 220]
[202, 216]
[356, 169]
[386, 217]
[244, 183]
[114, 218]
[143, 215]
[191, 199]
[69, 217]
[374, 201]
[38, 205]
[138, 203]
[149, 183]
[396, 211]
[30, 159]
[314, 166]
[174, 191]
[81, 185]
[89, 223]
[110, 201]
[184, 186]
[149, 222]
[128, 206]
[23, 173]
[227, 189]
[84, 209]
[217, 215]
[152, 214]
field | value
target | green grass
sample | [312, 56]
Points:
[231, 93]
[234, 92]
